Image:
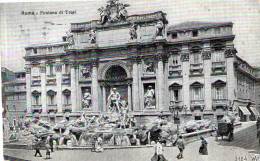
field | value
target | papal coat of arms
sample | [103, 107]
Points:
[113, 12]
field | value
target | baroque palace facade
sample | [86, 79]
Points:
[141, 62]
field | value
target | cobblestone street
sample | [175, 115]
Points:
[244, 146]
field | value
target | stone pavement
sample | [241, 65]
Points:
[241, 147]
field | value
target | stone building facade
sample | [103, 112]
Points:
[151, 65]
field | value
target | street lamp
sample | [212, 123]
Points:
[175, 112]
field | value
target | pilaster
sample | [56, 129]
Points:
[206, 55]
[43, 87]
[73, 87]
[231, 78]
[94, 85]
[186, 73]
[58, 70]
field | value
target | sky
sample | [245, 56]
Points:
[18, 31]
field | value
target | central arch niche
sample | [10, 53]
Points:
[116, 77]
[116, 73]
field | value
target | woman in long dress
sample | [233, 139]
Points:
[158, 155]
[203, 148]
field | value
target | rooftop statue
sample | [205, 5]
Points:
[113, 12]
[160, 28]
[133, 32]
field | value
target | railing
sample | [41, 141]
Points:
[220, 101]
[218, 64]
[67, 107]
[175, 70]
[52, 108]
[37, 108]
[197, 102]
[51, 82]
[197, 66]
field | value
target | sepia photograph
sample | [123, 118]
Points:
[128, 80]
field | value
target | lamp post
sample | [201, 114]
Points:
[175, 112]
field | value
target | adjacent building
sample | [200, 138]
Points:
[14, 98]
[144, 63]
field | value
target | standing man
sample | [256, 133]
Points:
[181, 147]
[50, 142]
[37, 147]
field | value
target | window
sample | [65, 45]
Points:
[36, 100]
[51, 69]
[218, 56]
[51, 100]
[197, 91]
[195, 33]
[50, 49]
[51, 97]
[174, 35]
[35, 71]
[35, 51]
[175, 60]
[218, 90]
[67, 69]
[66, 97]
[196, 58]
[219, 93]
[176, 95]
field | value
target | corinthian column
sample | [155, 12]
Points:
[94, 86]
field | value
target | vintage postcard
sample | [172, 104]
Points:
[128, 80]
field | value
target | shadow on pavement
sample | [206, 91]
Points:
[245, 139]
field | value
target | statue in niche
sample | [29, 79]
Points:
[92, 36]
[86, 101]
[159, 28]
[86, 71]
[148, 67]
[114, 100]
[149, 97]
[133, 32]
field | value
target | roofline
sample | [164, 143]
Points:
[46, 45]
[221, 24]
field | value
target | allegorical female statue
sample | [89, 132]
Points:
[86, 101]
[149, 97]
